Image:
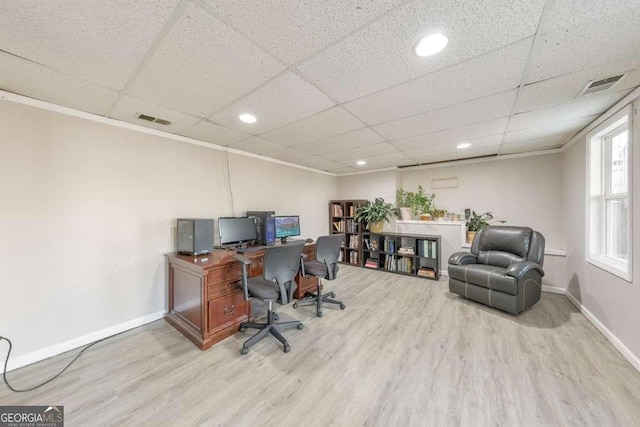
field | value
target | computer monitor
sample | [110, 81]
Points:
[236, 231]
[287, 226]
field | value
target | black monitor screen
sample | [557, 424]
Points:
[287, 226]
[236, 230]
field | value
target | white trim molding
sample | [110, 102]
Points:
[610, 336]
[54, 350]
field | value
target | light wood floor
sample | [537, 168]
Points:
[404, 352]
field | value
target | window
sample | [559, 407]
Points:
[608, 189]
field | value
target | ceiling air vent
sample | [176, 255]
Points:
[595, 86]
[154, 119]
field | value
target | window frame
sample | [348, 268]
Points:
[602, 135]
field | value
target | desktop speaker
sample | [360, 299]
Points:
[265, 226]
[194, 236]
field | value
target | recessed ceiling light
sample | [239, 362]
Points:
[361, 163]
[463, 146]
[247, 118]
[431, 44]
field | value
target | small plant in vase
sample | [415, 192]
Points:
[477, 222]
[422, 204]
[375, 214]
[404, 202]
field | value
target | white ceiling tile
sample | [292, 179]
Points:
[292, 29]
[478, 110]
[564, 89]
[451, 148]
[342, 170]
[489, 74]
[568, 127]
[455, 135]
[544, 143]
[381, 55]
[584, 106]
[289, 154]
[362, 152]
[384, 161]
[98, 41]
[318, 163]
[283, 100]
[607, 40]
[216, 134]
[333, 121]
[568, 13]
[128, 109]
[202, 65]
[257, 145]
[359, 138]
[37, 81]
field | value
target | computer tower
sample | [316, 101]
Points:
[265, 226]
[194, 236]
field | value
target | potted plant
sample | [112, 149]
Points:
[439, 214]
[477, 222]
[422, 204]
[404, 202]
[375, 214]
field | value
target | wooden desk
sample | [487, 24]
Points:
[205, 303]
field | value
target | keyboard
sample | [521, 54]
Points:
[250, 249]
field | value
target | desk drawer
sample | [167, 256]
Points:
[219, 289]
[228, 273]
[226, 310]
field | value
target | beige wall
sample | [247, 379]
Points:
[613, 301]
[88, 210]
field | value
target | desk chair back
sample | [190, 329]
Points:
[327, 252]
[281, 264]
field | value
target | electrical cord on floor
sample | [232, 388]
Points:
[15, 390]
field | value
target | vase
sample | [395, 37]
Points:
[405, 214]
[470, 236]
[376, 227]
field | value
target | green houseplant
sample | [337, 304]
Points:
[422, 203]
[477, 222]
[375, 214]
[404, 202]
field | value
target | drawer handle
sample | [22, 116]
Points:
[230, 310]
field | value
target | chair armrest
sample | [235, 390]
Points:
[245, 261]
[520, 268]
[303, 256]
[463, 258]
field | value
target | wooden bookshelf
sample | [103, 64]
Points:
[341, 221]
[407, 254]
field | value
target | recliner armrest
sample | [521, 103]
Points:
[520, 268]
[245, 286]
[463, 258]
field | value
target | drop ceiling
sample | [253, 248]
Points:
[330, 81]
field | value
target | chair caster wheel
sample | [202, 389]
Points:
[275, 316]
[295, 305]
[342, 306]
[244, 350]
[287, 348]
[333, 295]
[300, 326]
[242, 329]
[319, 314]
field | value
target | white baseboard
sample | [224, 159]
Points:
[554, 290]
[619, 345]
[56, 349]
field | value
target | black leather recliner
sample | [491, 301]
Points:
[503, 270]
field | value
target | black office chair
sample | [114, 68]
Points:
[279, 268]
[325, 266]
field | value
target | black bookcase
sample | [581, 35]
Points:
[407, 254]
[341, 220]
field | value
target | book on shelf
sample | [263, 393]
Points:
[352, 210]
[338, 226]
[426, 272]
[428, 248]
[353, 241]
[336, 210]
[406, 250]
[389, 245]
[371, 263]
[353, 257]
[351, 226]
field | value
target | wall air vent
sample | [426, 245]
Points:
[154, 119]
[596, 86]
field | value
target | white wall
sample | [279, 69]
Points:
[612, 301]
[87, 211]
[522, 191]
